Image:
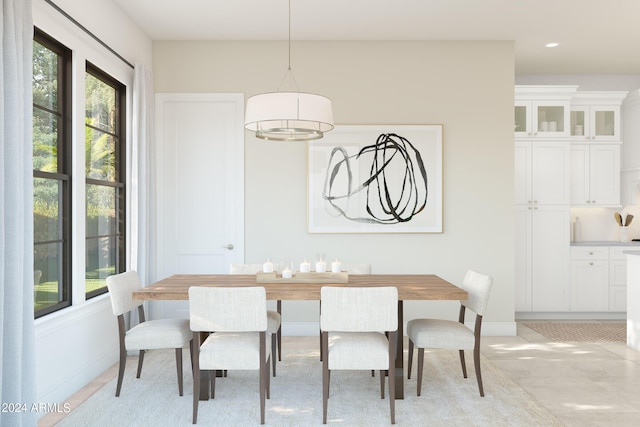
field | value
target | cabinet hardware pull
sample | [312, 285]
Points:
[590, 263]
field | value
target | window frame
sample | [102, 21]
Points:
[120, 172]
[64, 142]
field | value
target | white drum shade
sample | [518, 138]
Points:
[289, 116]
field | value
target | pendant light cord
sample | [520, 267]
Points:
[293, 83]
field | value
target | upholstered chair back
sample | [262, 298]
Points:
[228, 309]
[479, 287]
[359, 309]
[121, 286]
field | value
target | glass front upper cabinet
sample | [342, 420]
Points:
[541, 119]
[596, 123]
[595, 116]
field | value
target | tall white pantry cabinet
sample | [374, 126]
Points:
[542, 197]
[567, 153]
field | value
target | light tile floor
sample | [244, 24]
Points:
[582, 384]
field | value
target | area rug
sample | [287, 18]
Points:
[296, 396]
[596, 332]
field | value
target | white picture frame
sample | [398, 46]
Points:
[376, 179]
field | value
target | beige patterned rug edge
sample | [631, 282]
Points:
[594, 332]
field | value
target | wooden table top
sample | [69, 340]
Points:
[410, 286]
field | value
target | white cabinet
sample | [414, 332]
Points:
[542, 258]
[598, 278]
[542, 172]
[542, 196]
[595, 116]
[618, 278]
[590, 279]
[542, 111]
[595, 174]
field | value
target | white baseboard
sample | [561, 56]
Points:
[307, 329]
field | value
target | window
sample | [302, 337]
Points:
[51, 174]
[105, 179]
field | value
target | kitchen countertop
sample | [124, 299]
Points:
[605, 243]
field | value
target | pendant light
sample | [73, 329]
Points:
[289, 116]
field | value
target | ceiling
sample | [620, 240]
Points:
[595, 36]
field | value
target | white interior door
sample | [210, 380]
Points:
[200, 186]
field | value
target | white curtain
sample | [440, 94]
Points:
[143, 179]
[17, 344]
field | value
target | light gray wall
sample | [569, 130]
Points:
[466, 86]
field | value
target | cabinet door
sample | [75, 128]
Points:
[580, 175]
[618, 298]
[604, 123]
[550, 259]
[604, 174]
[522, 119]
[590, 285]
[550, 173]
[523, 258]
[522, 172]
[579, 119]
[550, 118]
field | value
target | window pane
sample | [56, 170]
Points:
[100, 155]
[101, 210]
[101, 261]
[47, 222]
[100, 104]
[48, 275]
[45, 141]
[102, 239]
[45, 77]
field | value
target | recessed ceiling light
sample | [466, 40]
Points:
[553, 44]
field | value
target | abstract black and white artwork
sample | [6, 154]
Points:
[376, 179]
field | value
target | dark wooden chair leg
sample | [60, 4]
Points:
[123, 354]
[273, 353]
[123, 363]
[268, 379]
[140, 361]
[392, 378]
[476, 361]
[264, 374]
[381, 384]
[212, 382]
[410, 359]
[324, 344]
[179, 369]
[420, 368]
[195, 367]
[279, 310]
[462, 363]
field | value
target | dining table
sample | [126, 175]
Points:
[411, 287]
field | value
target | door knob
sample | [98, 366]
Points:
[229, 246]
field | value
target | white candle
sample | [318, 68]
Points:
[321, 267]
[286, 273]
[267, 267]
[336, 266]
[305, 266]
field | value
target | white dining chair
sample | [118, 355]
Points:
[354, 321]
[357, 268]
[148, 334]
[236, 318]
[274, 317]
[452, 335]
